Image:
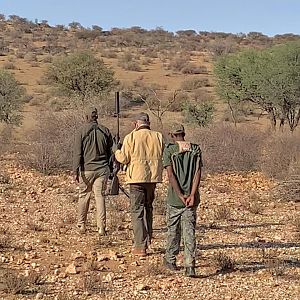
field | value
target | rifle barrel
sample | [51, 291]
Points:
[117, 107]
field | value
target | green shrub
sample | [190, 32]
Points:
[81, 76]
[11, 98]
[199, 114]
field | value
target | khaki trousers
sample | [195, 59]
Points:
[92, 181]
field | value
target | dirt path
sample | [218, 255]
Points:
[38, 238]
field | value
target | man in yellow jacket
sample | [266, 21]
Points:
[141, 152]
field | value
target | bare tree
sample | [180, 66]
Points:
[157, 105]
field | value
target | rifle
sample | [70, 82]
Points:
[115, 184]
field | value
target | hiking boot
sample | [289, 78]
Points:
[170, 266]
[139, 252]
[101, 231]
[81, 228]
[190, 272]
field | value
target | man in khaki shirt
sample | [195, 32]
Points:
[141, 152]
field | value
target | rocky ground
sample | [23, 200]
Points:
[248, 243]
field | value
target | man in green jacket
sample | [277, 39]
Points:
[91, 154]
[183, 162]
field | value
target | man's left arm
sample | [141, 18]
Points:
[110, 144]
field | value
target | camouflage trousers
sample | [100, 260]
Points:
[181, 223]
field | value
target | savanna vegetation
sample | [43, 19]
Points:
[238, 97]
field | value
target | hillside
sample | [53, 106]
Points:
[248, 223]
[150, 56]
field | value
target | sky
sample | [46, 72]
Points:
[270, 17]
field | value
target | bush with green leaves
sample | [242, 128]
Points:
[199, 114]
[12, 96]
[268, 78]
[81, 76]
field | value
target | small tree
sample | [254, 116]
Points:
[268, 78]
[11, 98]
[97, 28]
[81, 76]
[199, 114]
[75, 25]
[156, 104]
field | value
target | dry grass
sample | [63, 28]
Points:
[4, 179]
[297, 224]
[276, 266]
[9, 66]
[5, 242]
[92, 265]
[14, 283]
[33, 226]
[224, 263]
[253, 204]
[62, 296]
[222, 213]
[92, 284]
[256, 208]
[155, 269]
[115, 220]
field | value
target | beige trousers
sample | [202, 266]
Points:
[92, 181]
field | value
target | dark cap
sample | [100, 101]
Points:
[176, 128]
[144, 117]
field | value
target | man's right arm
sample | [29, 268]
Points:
[123, 155]
[77, 155]
[175, 185]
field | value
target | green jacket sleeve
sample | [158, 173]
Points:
[77, 152]
[110, 143]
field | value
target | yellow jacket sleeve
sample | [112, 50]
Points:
[123, 155]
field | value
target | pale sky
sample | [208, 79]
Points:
[267, 16]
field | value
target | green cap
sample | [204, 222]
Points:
[176, 128]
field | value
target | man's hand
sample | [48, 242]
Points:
[190, 201]
[183, 198]
[117, 145]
